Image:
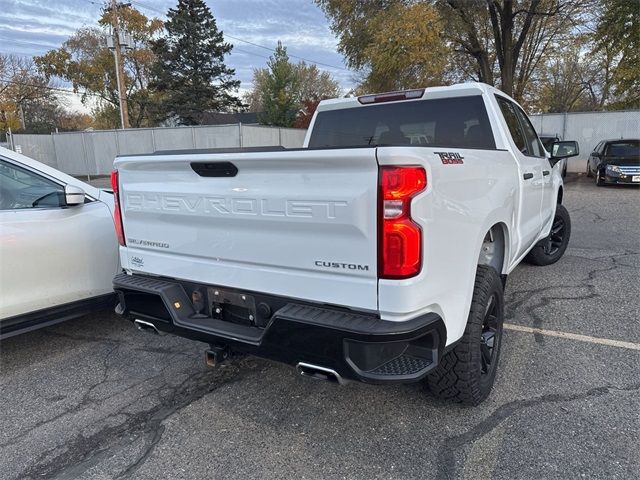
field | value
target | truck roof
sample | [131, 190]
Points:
[457, 90]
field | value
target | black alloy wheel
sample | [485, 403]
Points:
[551, 248]
[488, 336]
[556, 237]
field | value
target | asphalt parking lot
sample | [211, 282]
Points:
[95, 398]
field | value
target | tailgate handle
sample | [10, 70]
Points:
[215, 169]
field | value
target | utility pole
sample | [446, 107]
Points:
[21, 113]
[117, 52]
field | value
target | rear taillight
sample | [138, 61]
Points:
[117, 217]
[400, 242]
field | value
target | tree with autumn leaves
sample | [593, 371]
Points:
[524, 47]
[286, 94]
[85, 61]
[174, 71]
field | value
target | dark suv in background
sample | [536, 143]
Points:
[615, 161]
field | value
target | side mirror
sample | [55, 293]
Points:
[73, 195]
[565, 149]
[596, 154]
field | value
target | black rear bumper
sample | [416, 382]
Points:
[357, 346]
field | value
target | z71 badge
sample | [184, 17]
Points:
[450, 158]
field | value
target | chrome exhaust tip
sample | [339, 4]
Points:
[319, 373]
[145, 326]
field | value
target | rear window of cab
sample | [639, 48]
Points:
[459, 122]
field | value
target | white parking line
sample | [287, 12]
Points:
[573, 336]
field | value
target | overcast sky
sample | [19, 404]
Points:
[31, 27]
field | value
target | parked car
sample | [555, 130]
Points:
[547, 141]
[58, 248]
[359, 257]
[615, 161]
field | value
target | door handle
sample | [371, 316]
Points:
[527, 176]
[545, 172]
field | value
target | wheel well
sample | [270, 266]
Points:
[560, 193]
[494, 248]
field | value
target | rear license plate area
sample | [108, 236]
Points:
[234, 307]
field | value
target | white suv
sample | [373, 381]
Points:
[58, 249]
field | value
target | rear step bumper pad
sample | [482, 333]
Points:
[358, 346]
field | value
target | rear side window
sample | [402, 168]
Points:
[460, 122]
[533, 144]
[509, 114]
[598, 147]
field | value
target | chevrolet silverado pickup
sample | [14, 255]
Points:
[378, 252]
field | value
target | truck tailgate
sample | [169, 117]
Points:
[300, 224]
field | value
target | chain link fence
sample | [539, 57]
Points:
[92, 153]
[588, 129]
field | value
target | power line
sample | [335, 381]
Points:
[9, 52]
[48, 87]
[148, 7]
[156, 10]
[17, 43]
[140, 4]
[236, 49]
[26, 42]
[290, 54]
[49, 47]
[6, 41]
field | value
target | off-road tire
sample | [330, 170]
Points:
[461, 375]
[542, 254]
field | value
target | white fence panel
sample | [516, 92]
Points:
[179, 138]
[102, 148]
[92, 153]
[552, 124]
[292, 137]
[38, 147]
[132, 141]
[71, 154]
[219, 136]
[253, 136]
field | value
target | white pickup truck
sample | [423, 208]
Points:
[378, 252]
